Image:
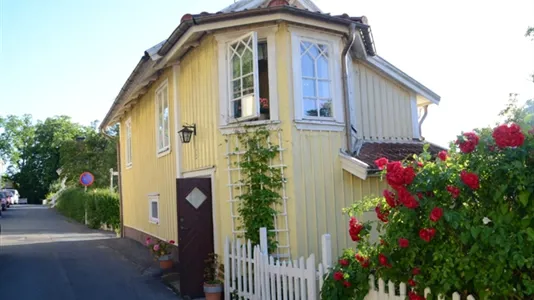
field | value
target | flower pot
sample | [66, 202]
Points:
[165, 263]
[264, 116]
[213, 291]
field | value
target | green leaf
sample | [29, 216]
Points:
[530, 233]
[523, 197]
[475, 231]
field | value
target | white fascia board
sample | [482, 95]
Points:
[403, 78]
[352, 165]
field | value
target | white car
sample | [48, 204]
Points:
[14, 195]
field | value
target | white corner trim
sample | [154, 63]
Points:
[352, 165]
[404, 79]
[415, 116]
[177, 120]
[319, 126]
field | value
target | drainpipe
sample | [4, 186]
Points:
[345, 83]
[425, 108]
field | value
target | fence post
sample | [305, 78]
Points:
[263, 240]
[327, 250]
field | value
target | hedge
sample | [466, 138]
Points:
[102, 207]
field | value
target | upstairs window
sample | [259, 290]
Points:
[162, 119]
[316, 80]
[128, 143]
[248, 78]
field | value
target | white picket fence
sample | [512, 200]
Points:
[252, 274]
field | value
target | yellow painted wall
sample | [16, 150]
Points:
[149, 174]
[383, 107]
[198, 89]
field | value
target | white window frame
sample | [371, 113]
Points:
[267, 33]
[154, 198]
[334, 43]
[128, 142]
[159, 106]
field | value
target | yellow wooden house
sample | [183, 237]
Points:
[334, 107]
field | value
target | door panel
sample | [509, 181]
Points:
[195, 232]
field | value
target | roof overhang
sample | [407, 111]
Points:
[425, 95]
[352, 165]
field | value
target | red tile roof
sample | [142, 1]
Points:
[371, 151]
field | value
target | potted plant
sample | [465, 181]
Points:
[213, 277]
[161, 251]
[264, 109]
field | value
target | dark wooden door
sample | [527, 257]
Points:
[195, 232]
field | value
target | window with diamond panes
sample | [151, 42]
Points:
[316, 80]
[243, 63]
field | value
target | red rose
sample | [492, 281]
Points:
[381, 162]
[411, 282]
[454, 191]
[404, 243]
[470, 179]
[359, 257]
[382, 216]
[171, 242]
[508, 136]
[420, 164]
[365, 263]
[383, 260]
[409, 175]
[413, 296]
[346, 284]
[355, 228]
[436, 214]
[443, 155]
[343, 262]
[390, 198]
[416, 271]
[468, 142]
[420, 195]
[395, 173]
[338, 276]
[426, 234]
[407, 199]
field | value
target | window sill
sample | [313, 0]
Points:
[155, 222]
[129, 166]
[232, 127]
[319, 125]
[163, 152]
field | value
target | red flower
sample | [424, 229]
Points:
[436, 214]
[430, 194]
[359, 257]
[383, 260]
[390, 198]
[172, 242]
[426, 234]
[355, 228]
[409, 175]
[411, 282]
[365, 263]
[413, 296]
[381, 162]
[404, 243]
[454, 191]
[344, 262]
[419, 195]
[468, 143]
[420, 164]
[416, 271]
[443, 155]
[470, 179]
[508, 136]
[346, 284]
[338, 276]
[382, 216]
[395, 173]
[407, 199]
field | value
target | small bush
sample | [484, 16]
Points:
[102, 207]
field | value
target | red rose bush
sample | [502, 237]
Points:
[462, 221]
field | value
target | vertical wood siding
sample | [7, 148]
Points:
[197, 94]
[383, 108]
[149, 174]
[323, 189]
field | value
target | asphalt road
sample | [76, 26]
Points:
[44, 256]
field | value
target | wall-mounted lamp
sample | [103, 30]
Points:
[187, 132]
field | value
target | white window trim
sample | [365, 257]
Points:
[268, 33]
[160, 152]
[128, 147]
[151, 199]
[334, 41]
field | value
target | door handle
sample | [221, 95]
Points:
[183, 228]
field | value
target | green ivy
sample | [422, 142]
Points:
[261, 184]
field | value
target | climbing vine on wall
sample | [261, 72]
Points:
[261, 183]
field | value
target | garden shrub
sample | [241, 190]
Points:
[462, 222]
[102, 207]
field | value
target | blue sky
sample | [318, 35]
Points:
[72, 57]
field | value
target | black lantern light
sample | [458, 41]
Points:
[187, 132]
